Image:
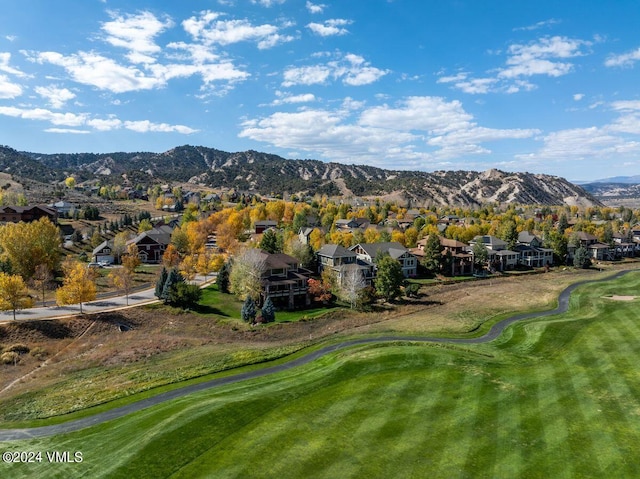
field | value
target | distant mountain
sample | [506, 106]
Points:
[268, 174]
[619, 179]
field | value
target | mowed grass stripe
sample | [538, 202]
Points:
[444, 393]
[583, 455]
[458, 424]
[551, 456]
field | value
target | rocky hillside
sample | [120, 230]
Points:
[268, 174]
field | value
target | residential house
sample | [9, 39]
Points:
[284, 280]
[499, 257]
[15, 214]
[303, 234]
[531, 252]
[152, 244]
[460, 261]
[262, 226]
[369, 252]
[622, 246]
[597, 250]
[104, 252]
[64, 208]
[343, 261]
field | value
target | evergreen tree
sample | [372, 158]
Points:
[432, 253]
[248, 311]
[160, 282]
[270, 243]
[389, 278]
[173, 279]
[222, 281]
[268, 311]
[581, 258]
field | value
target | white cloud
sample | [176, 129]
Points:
[315, 7]
[538, 58]
[352, 69]
[541, 57]
[417, 129]
[96, 70]
[146, 126]
[268, 3]
[67, 131]
[286, 98]
[8, 89]
[618, 140]
[538, 25]
[84, 119]
[11, 38]
[41, 114]
[578, 96]
[624, 59]
[57, 97]
[330, 27]
[5, 58]
[209, 29]
[136, 33]
[310, 75]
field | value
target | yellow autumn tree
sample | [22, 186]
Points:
[14, 294]
[316, 239]
[130, 260]
[78, 284]
[26, 245]
[122, 278]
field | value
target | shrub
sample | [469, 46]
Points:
[10, 357]
[18, 348]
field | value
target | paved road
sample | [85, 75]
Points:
[103, 304]
[75, 425]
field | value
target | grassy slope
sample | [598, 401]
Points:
[556, 398]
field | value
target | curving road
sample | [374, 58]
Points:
[75, 425]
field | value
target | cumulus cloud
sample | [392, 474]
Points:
[8, 89]
[618, 139]
[136, 33]
[415, 129]
[547, 56]
[351, 69]
[315, 7]
[57, 97]
[287, 98]
[208, 27]
[330, 27]
[268, 3]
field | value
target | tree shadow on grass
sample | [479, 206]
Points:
[210, 310]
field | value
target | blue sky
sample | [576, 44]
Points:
[545, 86]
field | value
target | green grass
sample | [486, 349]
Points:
[228, 306]
[556, 397]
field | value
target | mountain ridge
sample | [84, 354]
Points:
[269, 174]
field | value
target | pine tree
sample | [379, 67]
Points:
[160, 283]
[248, 311]
[268, 311]
[170, 284]
[222, 281]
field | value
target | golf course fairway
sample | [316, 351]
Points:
[556, 396]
